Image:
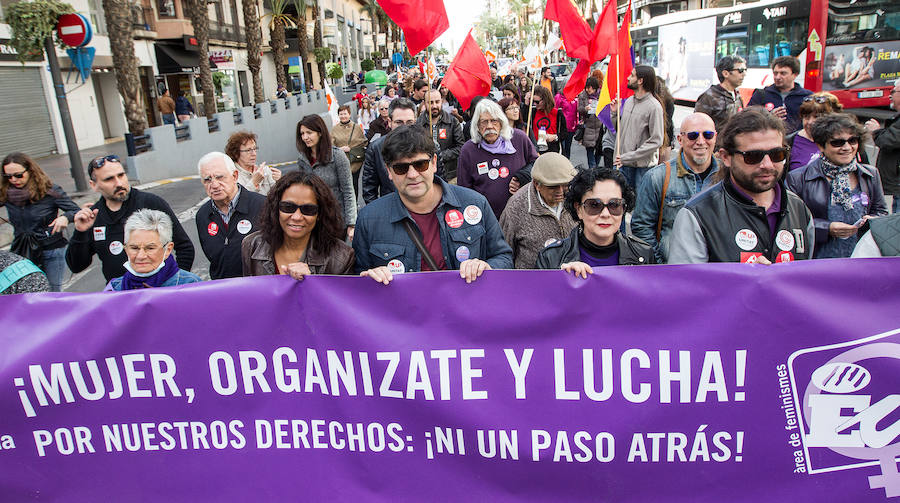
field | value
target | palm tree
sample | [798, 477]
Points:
[254, 45]
[317, 40]
[199, 15]
[302, 36]
[280, 20]
[374, 11]
[121, 43]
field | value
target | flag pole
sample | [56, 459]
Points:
[533, 83]
[618, 107]
[430, 84]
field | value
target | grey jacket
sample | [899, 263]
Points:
[593, 128]
[336, 174]
[528, 226]
[641, 131]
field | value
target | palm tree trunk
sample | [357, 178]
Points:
[277, 44]
[254, 45]
[303, 39]
[200, 21]
[121, 42]
[317, 33]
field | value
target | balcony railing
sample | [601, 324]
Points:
[229, 33]
[142, 18]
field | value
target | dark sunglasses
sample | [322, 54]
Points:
[401, 168]
[818, 99]
[839, 142]
[100, 161]
[739, 70]
[595, 206]
[693, 135]
[757, 156]
[15, 175]
[290, 208]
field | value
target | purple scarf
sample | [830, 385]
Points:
[501, 146]
[132, 282]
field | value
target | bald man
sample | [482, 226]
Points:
[691, 173]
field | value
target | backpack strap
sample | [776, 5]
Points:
[16, 271]
[662, 201]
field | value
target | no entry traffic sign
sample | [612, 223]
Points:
[74, 30]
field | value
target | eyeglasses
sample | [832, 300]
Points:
[489, 122]
[19, 175]
[148, 249]
[595, 207]
[757, 156]
[100, 161]
[290, 208]
[818, 99]
[218, 179]
[693, 135]
[245, 150]
[839, 142]
[404, 123]
[739, 70]
[401, 168]
[514, 109]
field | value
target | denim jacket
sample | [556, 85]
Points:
[683, 185]
[380, 236]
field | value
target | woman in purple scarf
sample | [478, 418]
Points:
[148, 244]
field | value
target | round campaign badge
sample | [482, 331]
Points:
[746, 239]
[116, 247]
[472, 214]
[783, 257]
[244, 226]
[493, 174]
[504, 172]
[770, 106]
[454, 219]
[396, 267]
[784, 240]
[495, 163]
[212, 229]
[462, 253]
[549, 242]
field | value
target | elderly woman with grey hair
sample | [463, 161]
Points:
[498, 158]
[148, 244]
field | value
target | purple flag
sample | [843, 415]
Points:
[721, 382]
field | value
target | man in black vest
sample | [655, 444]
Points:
[749, 216]
[230, 214]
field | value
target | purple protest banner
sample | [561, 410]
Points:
[659, 383]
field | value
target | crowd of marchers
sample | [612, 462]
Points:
[780, 179]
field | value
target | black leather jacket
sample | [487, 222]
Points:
[632, 251]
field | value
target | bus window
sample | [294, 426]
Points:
[873, 20]
[648, 53]
[731, 42]
[760, 45]
[790, 37]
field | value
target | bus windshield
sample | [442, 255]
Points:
[863, 20]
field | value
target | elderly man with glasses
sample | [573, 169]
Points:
[427, 224]
[667, 187]
[749, 216]
[498, 158]
[100, 229]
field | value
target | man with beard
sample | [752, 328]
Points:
[749, 216]
[641, 126]
[667, 187]
[100, 229]
[446, 132]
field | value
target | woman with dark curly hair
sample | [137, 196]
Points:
[319, 155]
[300, 230]
[242, 148]
[33, 203]
[598, 200]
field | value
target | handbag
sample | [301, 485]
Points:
[28, 245]
[356, 154]
[579, 132]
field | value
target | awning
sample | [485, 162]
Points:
[171, 59]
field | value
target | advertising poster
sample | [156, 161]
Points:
[687, 57]
[857, 66]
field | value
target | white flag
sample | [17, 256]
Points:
[332, 104]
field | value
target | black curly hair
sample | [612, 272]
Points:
[329, 226]
[585, 180]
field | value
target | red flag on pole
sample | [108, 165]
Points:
[576, 81]
[603, 42]
[574, 30]
[422, 21]
[617, 74]
[469, 74]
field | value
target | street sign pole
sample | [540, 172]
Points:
[65, 117]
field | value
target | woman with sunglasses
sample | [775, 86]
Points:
[33, 203]
[300, 231]
[319, 155]
[598, 200]
[379, 126]
[840, 192]
[803, 148]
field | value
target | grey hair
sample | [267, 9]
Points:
[212, 156]
[493, 109]
[150, 220]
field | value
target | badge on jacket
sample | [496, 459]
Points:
[442, 134]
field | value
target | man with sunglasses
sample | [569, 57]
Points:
[667, 187]
[229, 216]
[427, 224]
[749, 216]
[784, 97]
[721, 101]
[375, 179]
[100, 228]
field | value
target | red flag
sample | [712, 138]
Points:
[422, 21]
[576, 81]
[617, 74]
[421, 66]
[575, 31]
[603, 41]
[469, 74]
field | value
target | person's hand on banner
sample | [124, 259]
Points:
[577, 269]
[297, 270]
[471, 269]
[380, 274]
